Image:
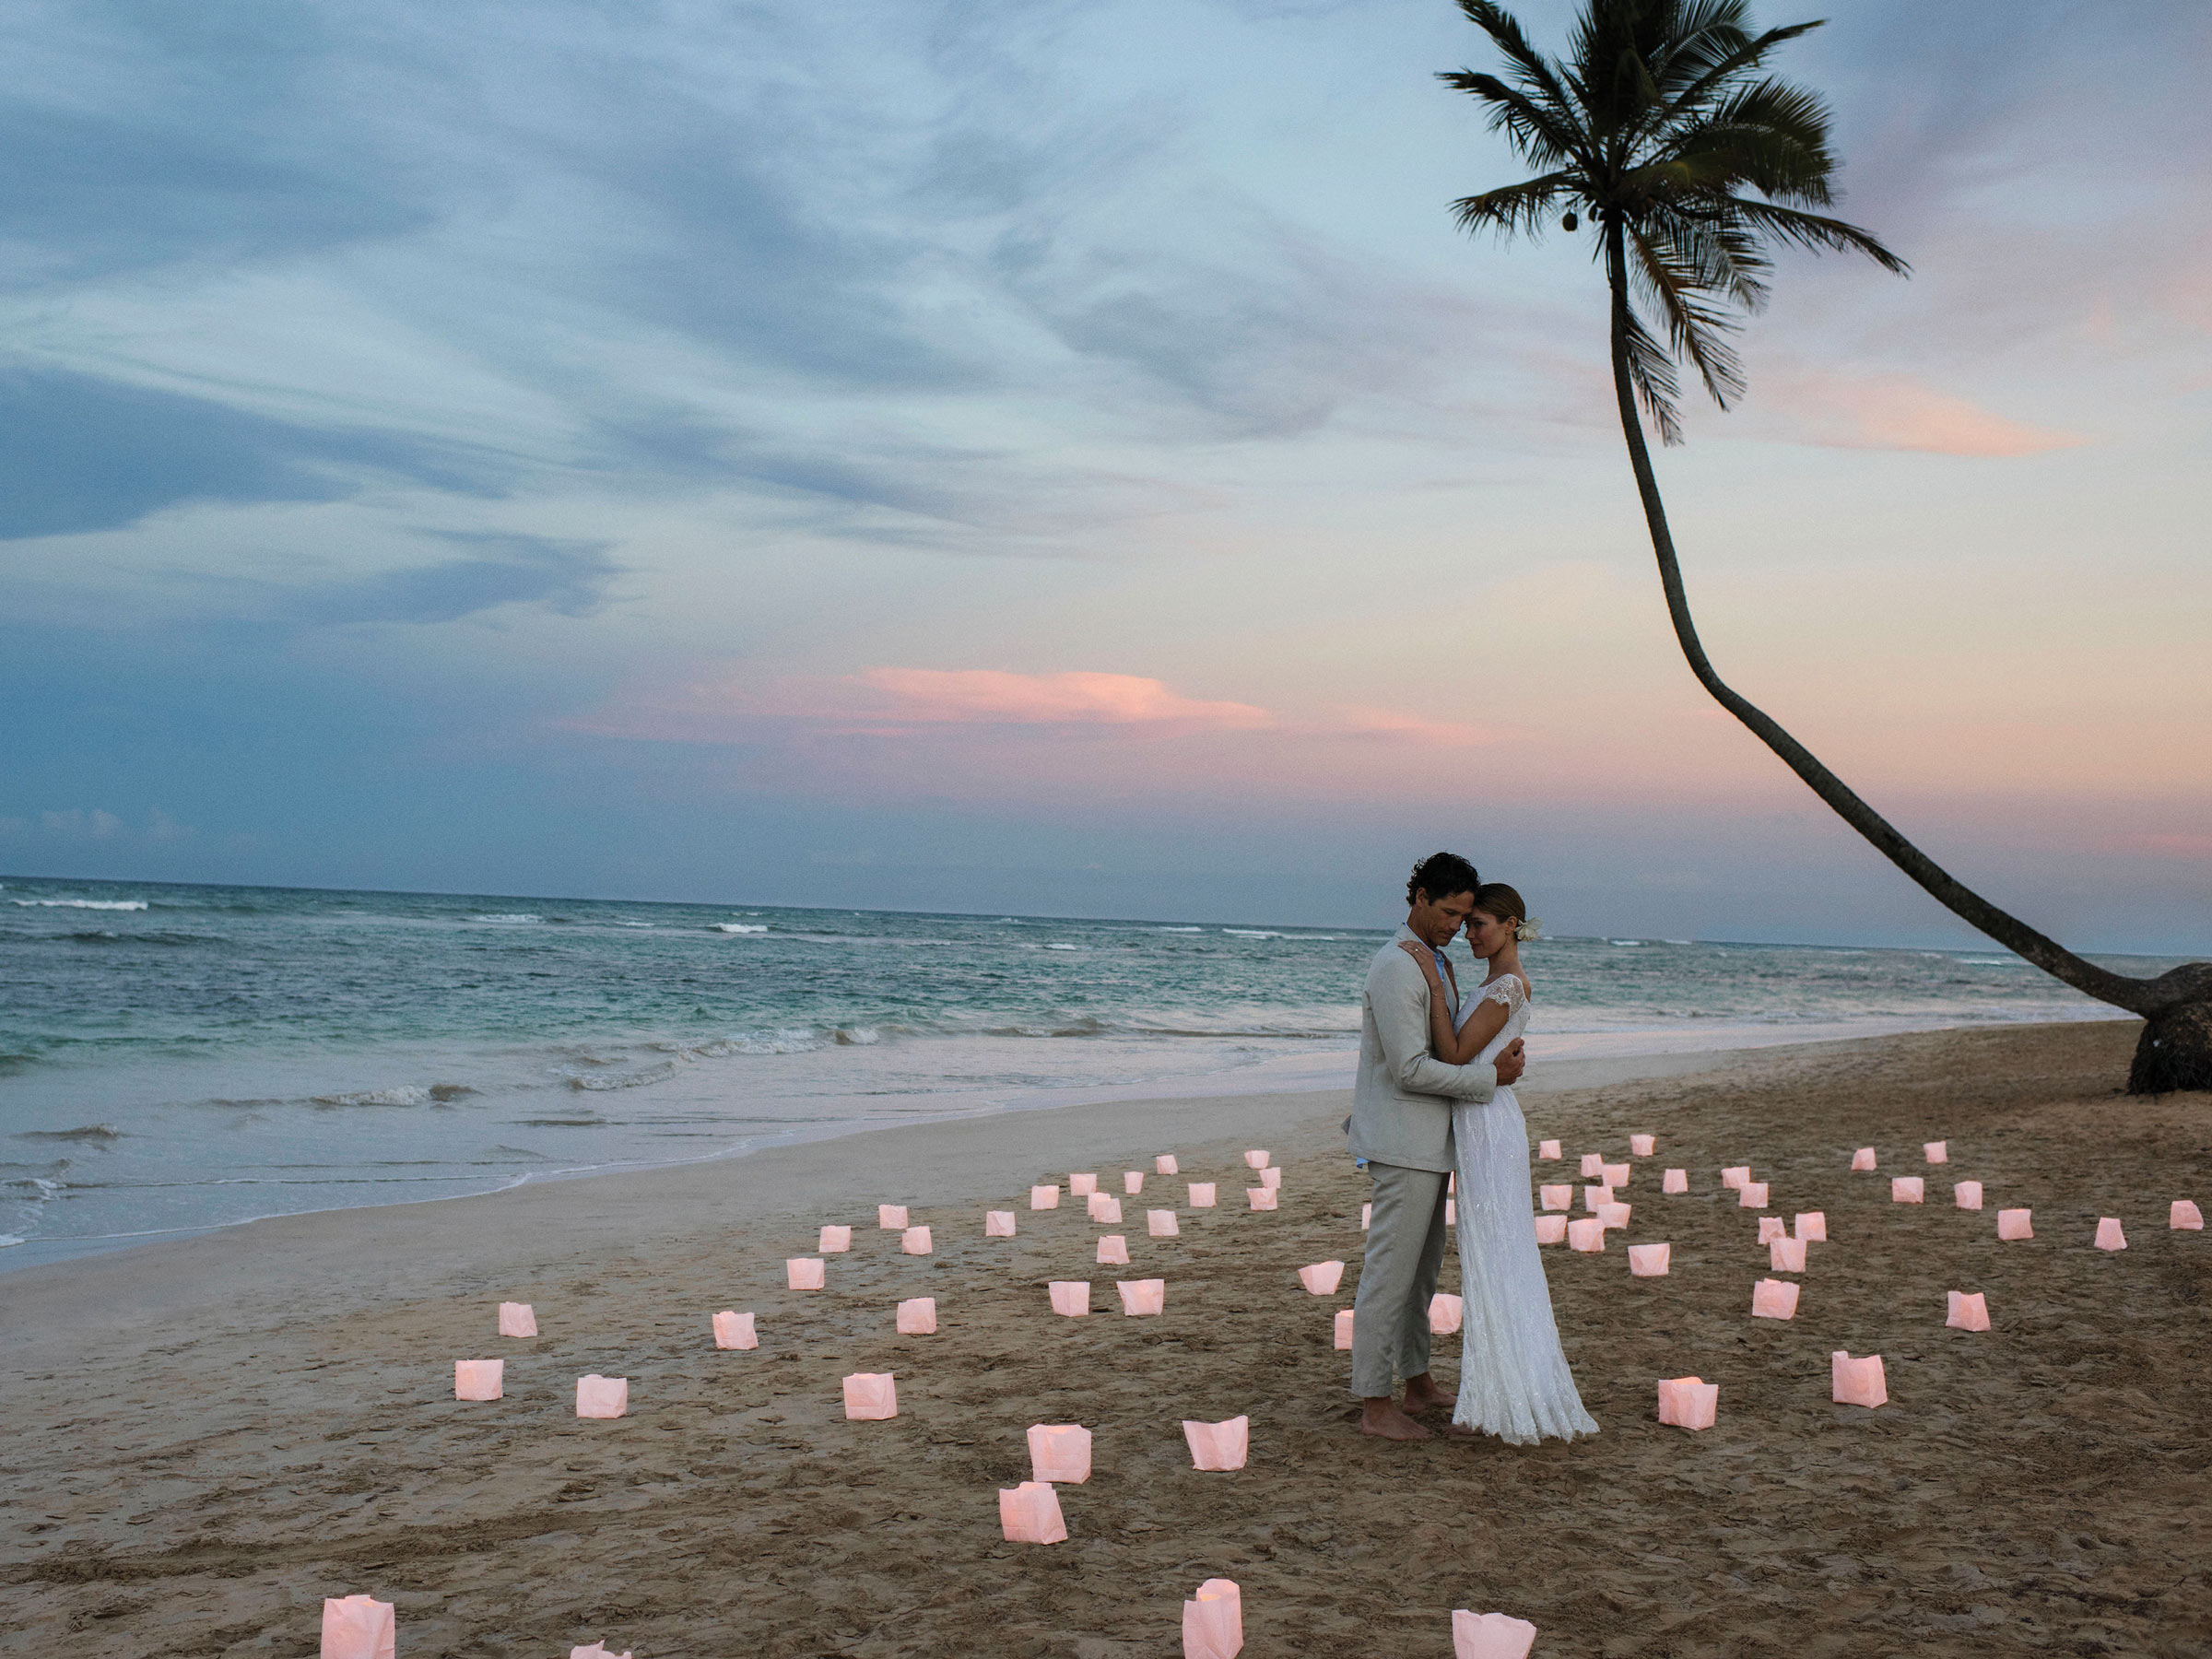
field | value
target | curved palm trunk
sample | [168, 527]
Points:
[2175, 1051]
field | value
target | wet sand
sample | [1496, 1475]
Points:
[208, 1438]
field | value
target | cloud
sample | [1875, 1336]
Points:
[988, 696]
[1898, 412]
[96, 824]
[564, 576]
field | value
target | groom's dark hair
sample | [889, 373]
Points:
[1440, 875]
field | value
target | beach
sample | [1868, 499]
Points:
[211, 1435]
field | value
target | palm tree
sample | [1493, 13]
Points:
[1665, 128]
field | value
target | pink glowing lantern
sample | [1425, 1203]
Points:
[915, 1241]
[1936, 1152]
[1812, 1226]
[1161, 1224]
[1451, 1212]
[517, 1320]
[1060, 1451]
[598, 1396]
[734, 1330]
[1444, 1314]
[479, 1379]
[1775, 1298]
[1106, 1209]
[358, 1627]
[1674, 1181]
[1143, 1298]
[2184, 1216]
[1083, 1186]
[998, 1224]
[1643, 1145]
[2109, 1236]
[1613, 1214]
[1616, 1176]
[1213, 1624]
[805, 1273]
[1594, 1166]
[1114, 1251]
[1367, 1216]
[1344, 1328]
[1547, 1149]
[1133, 1182]
[1071, 1298]
[1862, 1158]
[1557, 1197]
[918, 1316]
[1271, 1177]
[1218, 1446]
[1255, 1159]
[1908, 1189]
[1752, 1194]
[1967, 1195]
[1202, 1195]
[1552, 1229]
[871, 1397]
[1967, 1312]
[1490, 1636]
[1771, 1228]
[1165, 1164]
[1594, 1195]
[891, 1218]
[1044, 1197]
[1030, 1514]
[835, 1241]
[1735, 1175]
[1857, 1382]
[597, 1649]
[1264, 1198]
[1321, 1279]
[2016, 1224]
[1650, 1261]
[1786, 1255]
[1586, 1233]
[1687, 1403]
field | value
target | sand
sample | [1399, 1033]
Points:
[208, 1439]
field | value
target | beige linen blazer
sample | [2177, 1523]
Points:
[1402, 1100]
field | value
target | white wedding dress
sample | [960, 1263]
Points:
[1514, 1379]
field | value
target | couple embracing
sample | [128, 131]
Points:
[1434, 1099]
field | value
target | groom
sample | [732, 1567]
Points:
[1402, 1124]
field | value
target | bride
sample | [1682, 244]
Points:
[1513, 1380]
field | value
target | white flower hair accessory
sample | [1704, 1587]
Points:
[1532, 928]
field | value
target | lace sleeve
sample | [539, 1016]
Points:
[1507, 989]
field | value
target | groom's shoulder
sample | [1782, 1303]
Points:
[1389, 962]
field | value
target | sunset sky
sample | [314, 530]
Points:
[1060, 457]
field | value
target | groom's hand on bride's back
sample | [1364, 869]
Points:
[1511, 1058]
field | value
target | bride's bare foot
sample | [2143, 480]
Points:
[1386, 1421]
[1423, 1394]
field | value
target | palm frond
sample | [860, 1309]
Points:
[1817, 233]
[1531, 66]
[1695, 326]
[1719, 69]
[1717, 250]
[1651, 373]
[1546, 137]
[1515, 208]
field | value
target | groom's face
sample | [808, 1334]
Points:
[1435, 922]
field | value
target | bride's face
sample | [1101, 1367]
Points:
[1488, 935]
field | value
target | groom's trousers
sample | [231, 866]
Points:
[1405, 1250]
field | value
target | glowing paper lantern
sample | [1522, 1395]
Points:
[2109, 1236]
[479, 1379]
[1547, 1149]
[1133, 1182]
[1344, 1328]
[1907, 1189]
[1752, 1194]
[1451, 1212]
[1490, 1636]
[1967, 1195]
[2183, 1216]
[1967, 1312]
[1071, 1298]
[1557, 1197]
[871, 1397]
[598, 1396]
[1771, 1228]
[1444, 1314]
[805, 1273]
[891, 1218]
[1594, 1166]
[1552, 1229]
[1858, 1382]
[1594, 1195]
[1114, 1251]
[1775, 1298]
[1735, 1175]
[1083, 1186]
[1060, 1451]
[1218, 1446]
[918, 1316]
[1044, 1197]
[1255, 1159]
[735, 1331]
[1613, 1214]
[2014, 1224]
[1321, 1279]
[1616, 1176]
[517, 1320]
[1674, 1181]
[835, 1241]
[1030, 1514]
[596, 1650]
[1812, 1226]
[1687, 1403]
[1264, 1198]
[915, 1241]
[1936, 1152]
[1643, 1145]
[1786, 1255]
[358, 1627]
[1271, 1177]
[1213, 1625]
[1586, 1233]
[1650, 1261]
[1367, 1216]
[1862, 1158]
[1105, 1208]
[1161, 1224]
[998, 1224]
[1165, 1164]
[1202, 1195]
[1143, 1297]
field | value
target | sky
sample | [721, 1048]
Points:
[1000, 456]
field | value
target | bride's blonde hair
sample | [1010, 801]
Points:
[1495, 899]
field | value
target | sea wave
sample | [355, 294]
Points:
[633, 1079]
[507, 916]
[95, 1132]
[98, 904]
[741, 927]
[405, 1094]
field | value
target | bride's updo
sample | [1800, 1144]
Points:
[1495, 899]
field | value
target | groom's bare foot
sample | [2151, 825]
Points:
[1422, 1395]
[1383, 1419]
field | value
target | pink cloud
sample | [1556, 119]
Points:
[1896, 412]
[993, 697]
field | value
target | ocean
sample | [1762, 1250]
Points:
[178, 1058]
